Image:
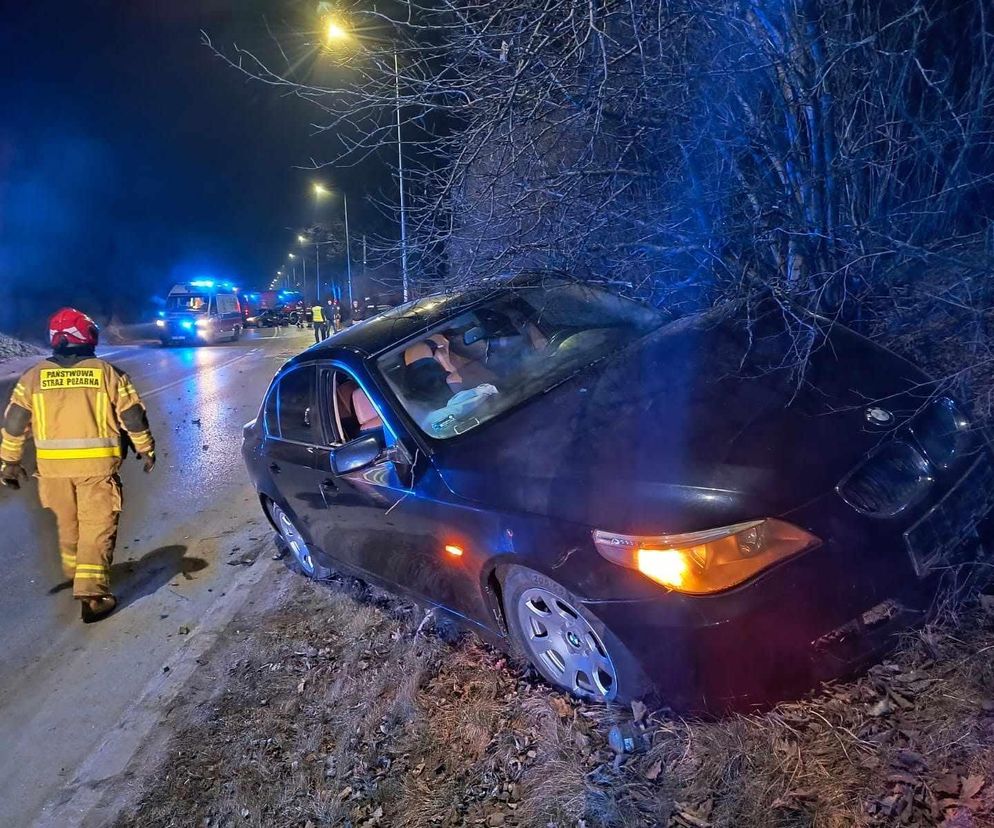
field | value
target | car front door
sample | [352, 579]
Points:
[297, 453]
[362, 529]
[393, 519]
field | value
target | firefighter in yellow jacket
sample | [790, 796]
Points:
[82, 412]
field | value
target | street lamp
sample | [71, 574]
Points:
[293, 269]
[336, 33]
[320, 190]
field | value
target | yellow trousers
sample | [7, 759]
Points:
[87, 511]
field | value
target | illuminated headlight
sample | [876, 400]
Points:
[160, 323]
[710, 561]
[203, 323]
[942, 431]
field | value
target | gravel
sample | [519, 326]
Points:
[11, 348]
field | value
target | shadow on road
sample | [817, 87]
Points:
[132, 580]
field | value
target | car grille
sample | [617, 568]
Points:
[949, 527]
[893, 478]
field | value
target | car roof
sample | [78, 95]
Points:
[381, 332]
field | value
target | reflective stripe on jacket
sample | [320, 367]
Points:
[79, 412]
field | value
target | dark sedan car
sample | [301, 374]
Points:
[636, 506]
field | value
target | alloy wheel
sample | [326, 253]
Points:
[559, 638]
[294, 541]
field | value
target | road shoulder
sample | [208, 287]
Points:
[102, 785]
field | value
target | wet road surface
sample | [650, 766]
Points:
[184, 532]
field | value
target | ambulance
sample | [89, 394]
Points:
[201, 312]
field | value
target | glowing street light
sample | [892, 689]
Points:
[321, 190]
[335, 32]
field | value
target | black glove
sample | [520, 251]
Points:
[11, 475]
[149, 457]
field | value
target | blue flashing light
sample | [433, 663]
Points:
[207, 283]
[162, 313]
[187, 325]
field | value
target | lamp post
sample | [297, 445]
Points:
[400, 182]
[320, 190]
[303, 262]
[335, 32]
[348, 245]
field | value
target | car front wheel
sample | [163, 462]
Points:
[568, 646]
[294, 542]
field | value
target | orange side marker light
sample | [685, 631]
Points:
[455, 551]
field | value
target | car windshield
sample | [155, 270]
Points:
[475, 366]
[188, 302]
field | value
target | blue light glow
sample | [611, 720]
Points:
[187, 325]
[207, 283]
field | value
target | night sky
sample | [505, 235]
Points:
[131, 157]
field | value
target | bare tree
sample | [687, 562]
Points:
[683, 150]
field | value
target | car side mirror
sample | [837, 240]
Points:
[358, 453]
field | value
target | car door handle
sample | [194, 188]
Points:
[274, 468]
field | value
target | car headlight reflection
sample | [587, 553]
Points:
[203, 323]
[699, 563]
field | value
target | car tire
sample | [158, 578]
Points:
[298, 548]
[569, 647]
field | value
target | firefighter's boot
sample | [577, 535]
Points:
[93, 609]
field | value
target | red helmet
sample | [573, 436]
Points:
[72, 327]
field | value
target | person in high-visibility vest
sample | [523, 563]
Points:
[318, 320]
[82, 412]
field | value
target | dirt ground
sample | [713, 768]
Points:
[342, 706]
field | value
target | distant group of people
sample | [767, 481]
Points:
[327, 319]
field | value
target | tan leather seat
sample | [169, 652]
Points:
[345, 391]
[364, 411]
[419, 350]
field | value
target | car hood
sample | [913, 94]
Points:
[691, 427]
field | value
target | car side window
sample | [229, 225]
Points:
[351, 411]
[296, 415]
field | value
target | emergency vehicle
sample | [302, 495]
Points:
[201, 311]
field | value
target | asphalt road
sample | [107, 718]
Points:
[185, 530]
